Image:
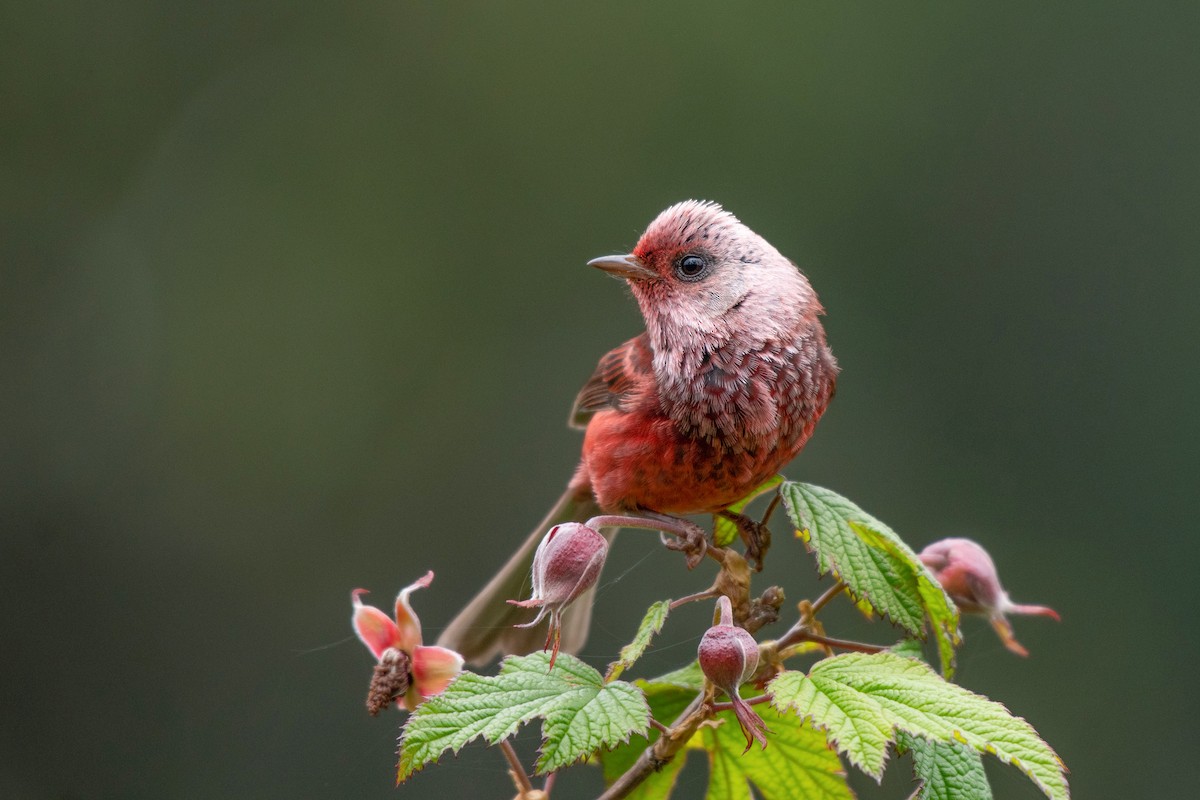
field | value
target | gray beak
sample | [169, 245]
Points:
[630, 267]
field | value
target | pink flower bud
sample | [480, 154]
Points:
[729, 657]
[968, 575]
[567, 563]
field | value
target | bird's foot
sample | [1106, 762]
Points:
[689, 539]
[755, 535]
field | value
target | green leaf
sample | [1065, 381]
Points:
[941, 610]
[652, 623]
[581, 714]
[909, 648]
[689, 677]
[875, 563]
[797, 761]
[862, 700]
[724, 531]
[946, 770]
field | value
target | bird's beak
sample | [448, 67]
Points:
[629, 266]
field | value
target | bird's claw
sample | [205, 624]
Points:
[693, 543]
[755, 535]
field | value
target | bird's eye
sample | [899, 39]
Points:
[691, 267]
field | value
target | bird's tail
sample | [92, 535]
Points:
[484, 628]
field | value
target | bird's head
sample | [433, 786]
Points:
[698, 269]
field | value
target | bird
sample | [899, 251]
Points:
[722, 389]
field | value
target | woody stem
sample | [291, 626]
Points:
[662, 751]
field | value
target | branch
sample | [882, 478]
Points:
[841, 644]
[823, 600]
[662, 751]
[707, 594]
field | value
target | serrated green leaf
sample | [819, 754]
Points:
[724, 531]
[581, 714]
[875, 563]
[689, 677]
[797, 761]
[824, 519]
[946, 770]
[909, 648]
[939, 608]
[862, 700]
[725, 780]
[652, 623]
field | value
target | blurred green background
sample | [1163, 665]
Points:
[294, 300]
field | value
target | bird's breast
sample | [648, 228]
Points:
[737, 399]
[717, 425]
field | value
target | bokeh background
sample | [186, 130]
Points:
[294, 300]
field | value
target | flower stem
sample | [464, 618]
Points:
[771, 508]
[753, 701]
[691, 598]
[515, 770]
[689, 534]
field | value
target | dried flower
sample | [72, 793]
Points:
[408, 671]
[968, 575]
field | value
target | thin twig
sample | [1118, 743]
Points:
[515, 770]
[771, 508]
[658, 726]
[549, 784]
[823, 600]
[691, 598]
[801, 626]
[841, 644]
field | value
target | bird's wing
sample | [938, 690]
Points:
[620, 372]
